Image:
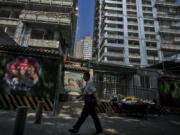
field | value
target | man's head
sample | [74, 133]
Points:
[86, 76]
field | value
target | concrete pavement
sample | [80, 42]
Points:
[113, 124]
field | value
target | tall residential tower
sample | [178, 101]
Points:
[84, 48]
[136, 32]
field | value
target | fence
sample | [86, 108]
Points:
[109, 84]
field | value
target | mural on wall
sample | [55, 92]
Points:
[22, 73]
[73, 82]
[41, 83]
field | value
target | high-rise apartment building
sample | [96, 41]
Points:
[87, 47]
[136, 32]
[79, 49]
[40, 23]
[84, 48]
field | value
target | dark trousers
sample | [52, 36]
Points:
[88, 109]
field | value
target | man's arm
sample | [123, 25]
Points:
[95, 94]
[82, 90]
[79, 96]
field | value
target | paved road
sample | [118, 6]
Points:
[112, 124]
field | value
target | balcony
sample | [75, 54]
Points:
[9, 21]
[133, 38]
[170, 41]
[113, 29]
[169, 31]
[154, 58]
[150, 33]
[132, 31]
[148, 17]
[113, 15]
[170, 47]
[131, 3]
[43, 43]
[151, 40]
[113, 45]
[168, 17]
[151, 48]
[176, 25]
[114, 62]
[147, 11]
[146, 5]
[133, 23]
[133, 17]
[50, 2]
[164, 26]
[134, 56]
[113, 36]
[113, 8]
[149, 25]
[113, 2]
[113, 54]
[42, 17]
[166, 4]
[177, 40]
[133, 47]
[131, 10]
[113, 22]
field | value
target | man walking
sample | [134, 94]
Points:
[91, 99]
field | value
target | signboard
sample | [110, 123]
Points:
[73, 83]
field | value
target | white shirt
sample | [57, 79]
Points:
[89, 88]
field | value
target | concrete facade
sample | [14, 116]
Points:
[135, 32]
[84, 48]
[40, 23]
[79, 49]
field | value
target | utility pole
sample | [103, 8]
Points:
[59, 87]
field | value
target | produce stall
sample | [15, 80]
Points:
[138, 107]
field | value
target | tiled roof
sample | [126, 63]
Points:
[75, 68]
[29, 50]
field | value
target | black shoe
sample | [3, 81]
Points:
[73, 130]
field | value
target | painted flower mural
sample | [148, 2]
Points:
[22, 73]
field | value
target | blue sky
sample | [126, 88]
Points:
[85, 20]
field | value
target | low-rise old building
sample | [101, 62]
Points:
[40, 23]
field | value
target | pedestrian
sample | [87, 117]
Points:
[91, 100]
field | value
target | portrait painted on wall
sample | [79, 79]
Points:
[22, 73]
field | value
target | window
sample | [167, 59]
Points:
[11, 31]
[145, 81]
[37, 34]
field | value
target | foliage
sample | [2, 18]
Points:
[169, 92]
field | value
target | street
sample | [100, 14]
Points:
[113, 124]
